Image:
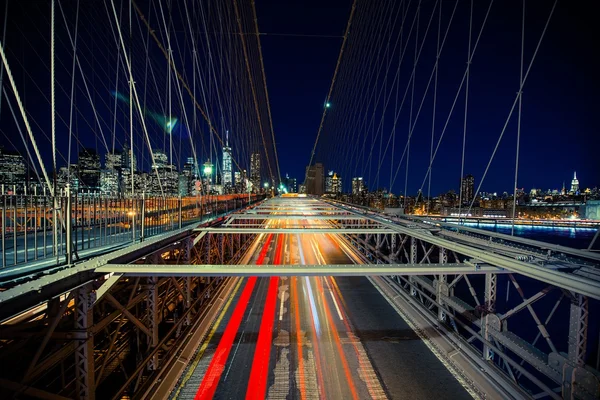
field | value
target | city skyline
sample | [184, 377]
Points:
[297, 105]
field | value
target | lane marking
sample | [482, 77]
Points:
[259, 372]
[337, 308]
[257, 383]
[211, 378]
[281, 306]
[215, 369]
[212, 332]
[338, 343]
[294, 294]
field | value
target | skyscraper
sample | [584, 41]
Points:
[329, 182]
[88, 165]
[226, 175]
[126, 159]
[160, 159]
[113, 161]
[336, 184]
[255, 172]
[290, 184]
[314, 179]
[12, 168]
[574, 184]
[358, 185]
[468, 188]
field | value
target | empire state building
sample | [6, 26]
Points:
[574, 184]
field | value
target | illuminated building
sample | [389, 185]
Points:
[126, 159]
[226, 176]
[329, 182]
[336, 184]
[290, 184]
[188, 178]
[68, 175]
[112, 161]
[160, 159]
[255, 171]
[358, 185]
[574, 184]
[12, 168]
[467, 185]
[88, 166]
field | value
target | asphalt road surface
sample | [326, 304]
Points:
[312, 337]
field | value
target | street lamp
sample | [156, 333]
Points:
[208, 169]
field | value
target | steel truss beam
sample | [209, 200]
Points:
[569, 281]
[294, 270]
[255, 231]
[488, 328]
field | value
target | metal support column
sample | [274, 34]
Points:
[143, 218]
[578, 326]
[442, 286]
[68, 226]
[393, 248]
[188, 298]
[152, 309]
[180, 214]
[413, 260]
[84, 350]
[208, 236]
[489, 304]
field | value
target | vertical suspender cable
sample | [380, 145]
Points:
[462, 164]
[132, 167]
[412, 100]
[327, 99]
[25, 119]
[247, 62]
[512, 109]
[72, 95]
[52, 97]
[2, 65]
[512, 228]
[262, 67]
[435, 85]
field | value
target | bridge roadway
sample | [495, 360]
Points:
[312, 337]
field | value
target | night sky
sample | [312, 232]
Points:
[300, 45]
[559, 103]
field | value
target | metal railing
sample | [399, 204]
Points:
[35, 228]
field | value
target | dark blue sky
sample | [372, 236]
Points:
[560, 104]
[300, 44]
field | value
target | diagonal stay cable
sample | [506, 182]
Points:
[264, 78]
[247, 62]
[335, 72]
[183, 82]
[515, 102]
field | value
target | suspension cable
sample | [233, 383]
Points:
[247, 62]
[512, 228]
[327, 99]
[512, 109]
[25, 119]
[264, 77]
[464, 141]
